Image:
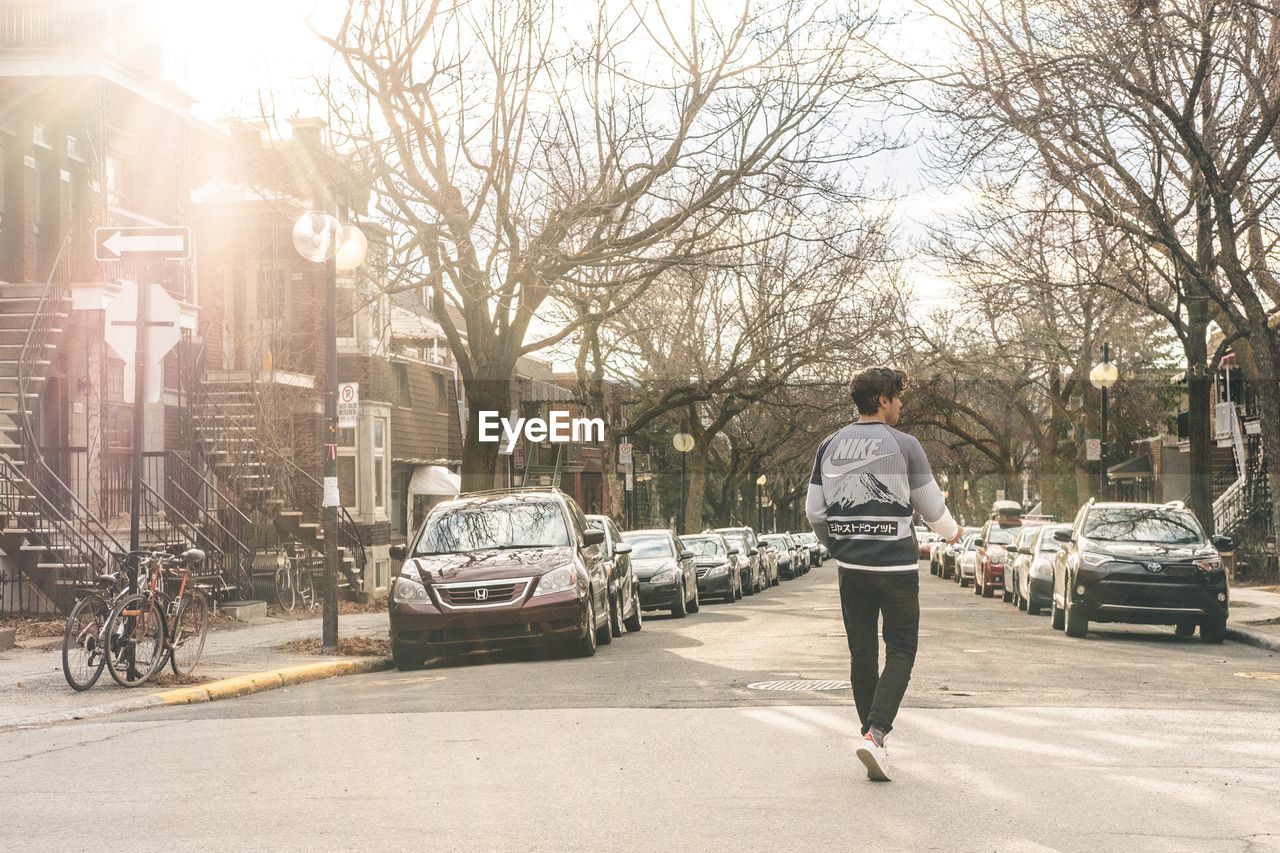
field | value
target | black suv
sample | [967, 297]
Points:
[1147, 564]
[493, 569]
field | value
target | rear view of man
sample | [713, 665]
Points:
[868, 481]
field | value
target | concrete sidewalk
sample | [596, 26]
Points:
[33, 689]
[1255, 617]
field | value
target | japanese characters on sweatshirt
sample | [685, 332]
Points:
[868, 480]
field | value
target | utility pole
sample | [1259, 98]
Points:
[329, 626]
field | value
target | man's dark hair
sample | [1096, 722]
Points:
[870, 384]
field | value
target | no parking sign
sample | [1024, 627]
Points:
[348, 405]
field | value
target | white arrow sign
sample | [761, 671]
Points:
[169, 242]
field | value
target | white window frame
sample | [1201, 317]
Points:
[383, 510]
[351, 451]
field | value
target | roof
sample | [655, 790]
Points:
[1137, 468]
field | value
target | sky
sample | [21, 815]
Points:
[236, 55]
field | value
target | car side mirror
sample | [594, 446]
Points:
[622, 548]
[593, 537]
[753, 552]
[733, 551]
[398, 552]
[1223, 543]
[1062, 535]
[978, 543]
[686, 555]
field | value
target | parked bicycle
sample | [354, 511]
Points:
[150, 628]
[84, 646]
[293, 582]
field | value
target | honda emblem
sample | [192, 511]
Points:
[481, 594]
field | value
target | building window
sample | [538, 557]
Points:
[404, 395]
[381, 465]
[381, 573]
[348, 469]
[442, 394]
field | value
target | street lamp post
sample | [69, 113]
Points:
[1103, 376]
[320, 238]
[682, 442]
[760, 481]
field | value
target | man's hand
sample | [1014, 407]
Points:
[956, 538]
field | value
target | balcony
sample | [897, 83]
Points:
[111, 29]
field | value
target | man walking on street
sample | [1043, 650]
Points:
[868, 481]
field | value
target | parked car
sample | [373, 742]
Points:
[924, 542]
[766, 561]
[1032, 584]
[750, 564]
[965, 559]
[716, 562]
[624, 589]
[801, 551]
[989, 554]
[951, 553]
[936, 551]
[817, 553]
[1141, 563]
[500, 569]
[784, 553]
[665, 569]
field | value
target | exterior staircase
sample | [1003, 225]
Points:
[270, 486]
[50, 540]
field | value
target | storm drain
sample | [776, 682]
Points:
[799, 684]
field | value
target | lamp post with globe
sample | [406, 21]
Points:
[1103, 376]
[320, 238]
[760, 481]
[682, 442]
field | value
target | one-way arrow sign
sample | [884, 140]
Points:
[170, 242]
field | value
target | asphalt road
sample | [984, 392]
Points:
[1013, 737]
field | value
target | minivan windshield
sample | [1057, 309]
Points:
[1134, 524]
[488, 525]
[704, 547]
[649, 546]
[1000, 535]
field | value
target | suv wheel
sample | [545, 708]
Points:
[615, 616]
[406, 659]
[1057, 618]
[696, 604]
[636, 620]
[1213, 632]
[1077, 621]
[585, 646]
[604, 634]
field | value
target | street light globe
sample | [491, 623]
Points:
[353, 249]
[315, 235]
[682, 441]
[761, 480]
[1103, 375]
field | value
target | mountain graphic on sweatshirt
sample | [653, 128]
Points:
[868, 495]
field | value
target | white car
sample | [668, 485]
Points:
[965, 565]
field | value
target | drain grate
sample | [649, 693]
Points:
[800, 684]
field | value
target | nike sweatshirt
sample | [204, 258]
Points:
[868, 480]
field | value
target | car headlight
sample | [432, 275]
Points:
[1094, 559]
[716, 571]
[408, 589]
[1209, 564]
[557, 581]
[665, 576]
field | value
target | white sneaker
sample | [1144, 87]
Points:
[875, 758]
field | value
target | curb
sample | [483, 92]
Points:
[1254, 638]
[245, 685]
[227, 688]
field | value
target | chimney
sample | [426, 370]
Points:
[308, 131]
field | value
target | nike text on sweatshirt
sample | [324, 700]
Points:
[867, 481]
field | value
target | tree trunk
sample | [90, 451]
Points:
[1199, 391]
[697, 485]
[480, 458]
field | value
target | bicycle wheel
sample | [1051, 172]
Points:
[136, 634]
[190, 627]
[83, 654]
[286, 595]
[306, 589]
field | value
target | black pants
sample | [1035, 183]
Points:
[864, 597]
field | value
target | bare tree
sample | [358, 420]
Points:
[514, 146]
